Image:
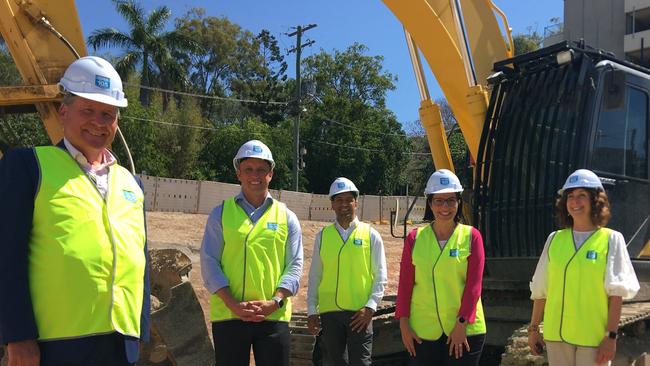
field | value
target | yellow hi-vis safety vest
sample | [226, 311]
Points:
[576, 301]
[86, 253]
[347, 278]
[440, 276]
[252, 258]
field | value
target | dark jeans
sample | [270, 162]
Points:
[102, 350]
[342, 346]
[437, 352]
[233, 340]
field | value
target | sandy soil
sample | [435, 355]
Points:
[185, 231]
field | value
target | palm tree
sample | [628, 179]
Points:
[161, 54]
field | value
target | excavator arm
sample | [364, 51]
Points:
[30, 29]
[461, 40]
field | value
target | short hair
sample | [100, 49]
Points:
[600, 213]
[428, 213]
[243, 159]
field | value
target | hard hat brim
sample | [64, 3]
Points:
[356, 193]
[102, 98]
[445, 190]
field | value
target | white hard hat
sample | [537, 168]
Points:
[582, 178]
[94, 78]
[341, 185]
[253, 149]
[443, 181]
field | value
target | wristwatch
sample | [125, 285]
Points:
[278, 300]
[612, 335]
[461, 320]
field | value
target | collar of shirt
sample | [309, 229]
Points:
[249, 208]
[342, 231]
[107, 158]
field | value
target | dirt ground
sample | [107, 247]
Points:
[185, 231]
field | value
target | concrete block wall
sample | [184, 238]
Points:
[321, 208]
[213, 194]
[298, 202]
[177, 195]
[166, 194]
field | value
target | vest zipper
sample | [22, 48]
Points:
[338, 265]
[566, 267]
[435, 291]
[243, 292]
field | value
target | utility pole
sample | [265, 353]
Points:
[296, 127]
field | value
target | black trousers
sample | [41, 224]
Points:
[102, 350]
[341, 345]
[437, 352]
[233, 340]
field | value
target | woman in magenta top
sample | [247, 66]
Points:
[439, 293]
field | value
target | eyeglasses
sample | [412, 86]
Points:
[451, 202]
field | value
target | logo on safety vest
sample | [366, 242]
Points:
[102, 82]
[591, 254]
[272, 226]
[453, 252]
[129, 196]
[358, 241]
[444, 181]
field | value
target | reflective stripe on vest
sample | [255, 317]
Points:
[252, 258]
[576, 302]
[347, 278]
[86, 254]
[440, 276]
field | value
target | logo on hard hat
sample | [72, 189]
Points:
[340, 185]
[573, 179]
[102, 82]
[444, 181]
[257, 149]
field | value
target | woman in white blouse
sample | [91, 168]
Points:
[583, 275]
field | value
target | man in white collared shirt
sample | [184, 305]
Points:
[346, 281]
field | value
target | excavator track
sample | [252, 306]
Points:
[387, 348]
[632, 343]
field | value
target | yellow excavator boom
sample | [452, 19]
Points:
[461, 40]
[29, 30]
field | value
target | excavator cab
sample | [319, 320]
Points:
[551, 112]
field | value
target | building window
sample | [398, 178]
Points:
[621, 145]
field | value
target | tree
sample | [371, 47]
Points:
[347, 129]
[226, 53]
[147, 44]
[266, 81]
[17, 129]
[525, 43]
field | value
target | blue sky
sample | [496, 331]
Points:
[340, 24]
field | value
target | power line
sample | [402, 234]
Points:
[258, 134]
[187, 126]
[227, 99]
[362, 148]
[365, 130]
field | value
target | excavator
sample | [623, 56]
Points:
[528, 122]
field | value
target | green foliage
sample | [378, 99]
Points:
[349, 132]
[525, 43]
[17, 129]
[160, 53]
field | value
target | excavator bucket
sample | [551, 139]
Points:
[179, 335]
